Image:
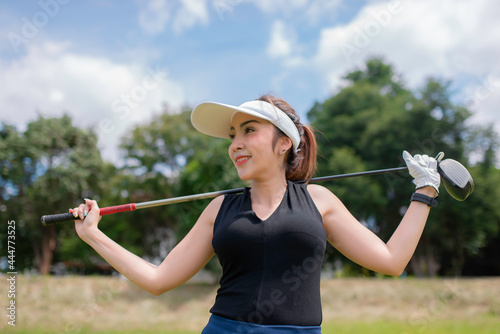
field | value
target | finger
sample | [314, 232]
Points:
[82, 211]
[89, 205]
[407, 156]
[432, 164]
[90, 202]
[426, 160]
[420, 160]
[92, 206]
[429, 162]
[74, 212]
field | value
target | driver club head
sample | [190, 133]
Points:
[456, 179]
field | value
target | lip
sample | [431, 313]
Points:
[241, 159]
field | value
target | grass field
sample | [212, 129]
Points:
[111, 305]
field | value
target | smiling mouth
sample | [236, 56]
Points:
[241, 160]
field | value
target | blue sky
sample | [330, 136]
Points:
[113, 64]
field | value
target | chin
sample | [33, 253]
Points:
[244, 176]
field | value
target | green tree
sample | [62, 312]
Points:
[368, 124]
[51, 162]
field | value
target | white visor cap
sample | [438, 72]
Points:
[214, 119]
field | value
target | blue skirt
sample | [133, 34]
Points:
[219, 325]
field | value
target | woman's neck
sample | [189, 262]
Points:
[268, 192]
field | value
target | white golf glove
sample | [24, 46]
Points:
[424, 169]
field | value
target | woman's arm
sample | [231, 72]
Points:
[183, 262]
[361, 245]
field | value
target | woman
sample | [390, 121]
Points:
[271, 239]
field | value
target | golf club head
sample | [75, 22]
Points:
[456, 179]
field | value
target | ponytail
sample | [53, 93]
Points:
[300, 165]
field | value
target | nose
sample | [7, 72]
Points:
[236, 145]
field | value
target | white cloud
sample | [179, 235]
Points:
[317, 9]
[96, 92]
[311, 10]
[191, 13]
[482, 96]
[283, 45]
[153, 17]
[156, 14]
[279, 6]
[280, 43]
[456, 40]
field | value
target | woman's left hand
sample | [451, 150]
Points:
[424, 169]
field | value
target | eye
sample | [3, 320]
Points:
[231, 136]
[249, 129]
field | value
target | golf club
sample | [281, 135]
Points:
[455, 177]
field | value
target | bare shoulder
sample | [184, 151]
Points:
[212, 209]
[325, 200]
[216, 203]
[319, 193]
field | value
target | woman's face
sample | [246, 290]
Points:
[254, 149]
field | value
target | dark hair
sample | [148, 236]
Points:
[300, 165]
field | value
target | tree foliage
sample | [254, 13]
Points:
[45, 170]
[368, 124]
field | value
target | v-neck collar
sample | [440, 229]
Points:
[247, 203]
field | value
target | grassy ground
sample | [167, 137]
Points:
[109, 305]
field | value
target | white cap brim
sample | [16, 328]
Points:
[214, 119]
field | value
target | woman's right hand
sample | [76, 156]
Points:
[89, 218]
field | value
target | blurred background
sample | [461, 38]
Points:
[95, 100]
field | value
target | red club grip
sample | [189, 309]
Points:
[117, 208]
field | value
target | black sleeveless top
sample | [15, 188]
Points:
[270, 268]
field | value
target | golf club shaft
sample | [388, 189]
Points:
[53, 219]
[214, 194]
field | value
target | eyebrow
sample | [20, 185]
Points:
[245, 123]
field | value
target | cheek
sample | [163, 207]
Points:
[260, 147]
